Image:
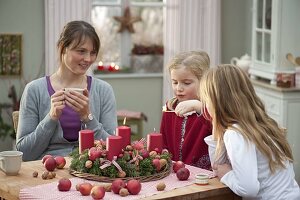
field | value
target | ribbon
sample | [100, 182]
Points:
[136, 157]
[107, 163]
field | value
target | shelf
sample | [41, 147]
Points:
[128, 75]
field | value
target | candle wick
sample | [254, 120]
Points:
[124, 122]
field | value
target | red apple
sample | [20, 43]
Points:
[134, 186]
[98, 192]
[45, 158]
[156, 163]
[60, 162]
[144, 153]
[85, 188]
[183, 174]
[116, 185]
[94, 153]
[50, 164]
[64, 184]
[177, 165]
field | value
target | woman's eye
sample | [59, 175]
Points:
[81, 51]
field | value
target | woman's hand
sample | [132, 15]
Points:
[221, 170]
[78, 102]
[57, 104]
[187, 106]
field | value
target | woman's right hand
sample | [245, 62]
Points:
[57, 104]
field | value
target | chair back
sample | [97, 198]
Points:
[15, 116]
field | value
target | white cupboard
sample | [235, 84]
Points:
[283, 105]
[274, 35]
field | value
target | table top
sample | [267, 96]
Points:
[10, 186]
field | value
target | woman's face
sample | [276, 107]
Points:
[184, 83]
[79, 59]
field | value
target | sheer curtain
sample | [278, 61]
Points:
[57, 14]
[190, 25]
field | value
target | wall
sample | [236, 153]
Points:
[142, 94]
[236, 24]
[24, 17]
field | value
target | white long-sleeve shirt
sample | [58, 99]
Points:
[251, 177]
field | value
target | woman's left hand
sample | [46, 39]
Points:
[221, 170]
[78, 102]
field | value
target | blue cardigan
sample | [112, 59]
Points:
[39, 135]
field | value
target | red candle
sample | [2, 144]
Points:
[125, 133]
[86, 140]
[154, 141]
[113, 146]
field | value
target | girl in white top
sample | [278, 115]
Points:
[260, 156]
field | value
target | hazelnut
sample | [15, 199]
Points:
[123, 192]
[161, 186]
[35, 174]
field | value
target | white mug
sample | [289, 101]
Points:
[79, 90]
[10, 162]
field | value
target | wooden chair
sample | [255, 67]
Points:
[133, 118]
[15, 116]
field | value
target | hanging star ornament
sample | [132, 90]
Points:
[126, 21]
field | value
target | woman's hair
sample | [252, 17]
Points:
[230, 97]
[74, 34]
[196, 61]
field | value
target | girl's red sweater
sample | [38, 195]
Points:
[184, 138]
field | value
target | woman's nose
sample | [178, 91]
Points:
[87, 57]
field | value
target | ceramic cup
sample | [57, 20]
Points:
[10, 162]
[80, 90]
[201, 179]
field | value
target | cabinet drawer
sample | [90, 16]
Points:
[273, 106]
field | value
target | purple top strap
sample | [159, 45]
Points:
[69, 120]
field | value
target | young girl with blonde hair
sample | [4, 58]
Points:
[260, 156]
[184, 135]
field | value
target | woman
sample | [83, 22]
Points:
[50, 115]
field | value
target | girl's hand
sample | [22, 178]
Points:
[187, 106]
[57, 104]
[221, 170]
[78, 102]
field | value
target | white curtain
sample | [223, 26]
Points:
[190, 25]
[57, 14]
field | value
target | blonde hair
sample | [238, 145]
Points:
[230, 96]
[196, 61]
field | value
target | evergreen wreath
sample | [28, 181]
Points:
[134, 161]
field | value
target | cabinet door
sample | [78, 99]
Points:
[262, 31]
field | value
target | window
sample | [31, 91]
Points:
[135, 48]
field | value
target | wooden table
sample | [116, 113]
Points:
[10, 185]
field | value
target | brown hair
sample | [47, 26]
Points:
[75, 33]
[231, 98]
[196, 61]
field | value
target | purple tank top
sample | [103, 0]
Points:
[69, 120]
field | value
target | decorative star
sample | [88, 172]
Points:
[126, 22]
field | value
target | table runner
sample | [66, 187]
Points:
[50, 192]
